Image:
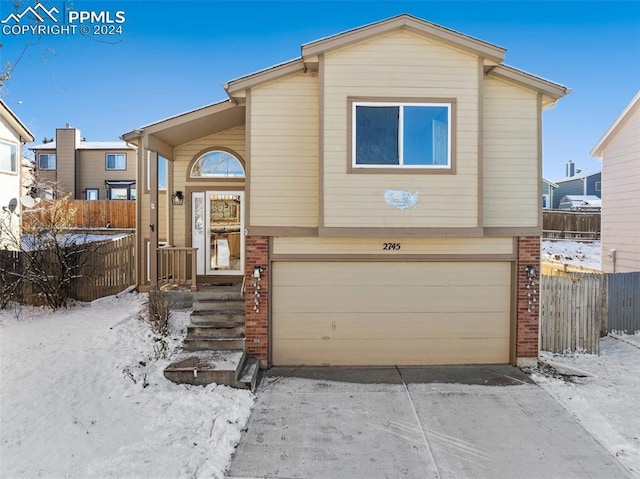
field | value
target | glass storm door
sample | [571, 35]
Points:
[224, 239]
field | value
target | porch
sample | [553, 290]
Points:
[177, 271]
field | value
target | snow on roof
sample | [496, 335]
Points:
[586, 200]
[90, 145]
[578, 177]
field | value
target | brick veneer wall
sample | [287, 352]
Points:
[527, 317]
[256, 322]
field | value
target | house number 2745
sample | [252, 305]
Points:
[390, 246]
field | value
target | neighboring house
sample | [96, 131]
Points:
[13, 134]
[548, 189]
[619, 151]
[88, 170]
[382, 190]
[580, 203]
[589, 184]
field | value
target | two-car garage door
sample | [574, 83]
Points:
[387, 313]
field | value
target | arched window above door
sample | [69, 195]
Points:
[217, 164]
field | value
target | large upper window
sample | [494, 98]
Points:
[401, 135]
[47, 161]
[8, 157]
[116, 161]
[217, 164]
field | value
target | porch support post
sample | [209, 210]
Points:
[153, 215]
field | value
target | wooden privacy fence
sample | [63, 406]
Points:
[571, 224]
[111, 270]
[88, 213]
[572, 310]
[107, 268]
[623, 302]
[576, 309]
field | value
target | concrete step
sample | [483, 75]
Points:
[220, 294]
[211, 305]
[210, 317]
[206, 367]
[249, 375]
[216, 330]
[203, 344]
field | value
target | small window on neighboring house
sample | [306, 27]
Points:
[8, 157]
[217, 164]
[91, 194]
[46, 161]
[401, 135]
[598, 186]
[120, 189]
[116, 161]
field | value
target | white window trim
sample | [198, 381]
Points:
[400, 166]
[17, 157]
[97, 190]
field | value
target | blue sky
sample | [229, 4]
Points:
[173, 56]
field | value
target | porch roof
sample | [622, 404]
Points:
[191, 125]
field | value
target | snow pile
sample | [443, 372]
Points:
[586, 254]
[606, 404]
[83, 394]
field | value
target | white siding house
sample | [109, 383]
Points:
[619, 151]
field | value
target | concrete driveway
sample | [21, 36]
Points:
[434, 422]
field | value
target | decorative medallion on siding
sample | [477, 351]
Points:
[401, 199]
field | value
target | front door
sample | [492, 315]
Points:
[218, 223]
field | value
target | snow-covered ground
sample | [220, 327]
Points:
[586, 254]
[607, 403]
[82, 394]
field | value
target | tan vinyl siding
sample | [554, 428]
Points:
[284, 152]
[621, 197]
[66, 142]
[232, 139]
[92, 171]
[400, 65]
[390, 313]
[408, 246]
[511, 176]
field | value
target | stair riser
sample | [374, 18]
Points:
[213, 317]
[213, 344]
[219, 306]
[235, 332]
[218, 296]
[205, 377]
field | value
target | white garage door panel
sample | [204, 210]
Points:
[381, 352]
[390, 313]
[402, 299]
[377, 326]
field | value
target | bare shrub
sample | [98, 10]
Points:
[159, 307]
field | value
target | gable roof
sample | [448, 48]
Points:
[409, 22]
[578, 177]
[191, 125]
[597, 150]
[493, 55]
[15, 123]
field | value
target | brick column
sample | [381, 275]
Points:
[527, 314]
[257, 322]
